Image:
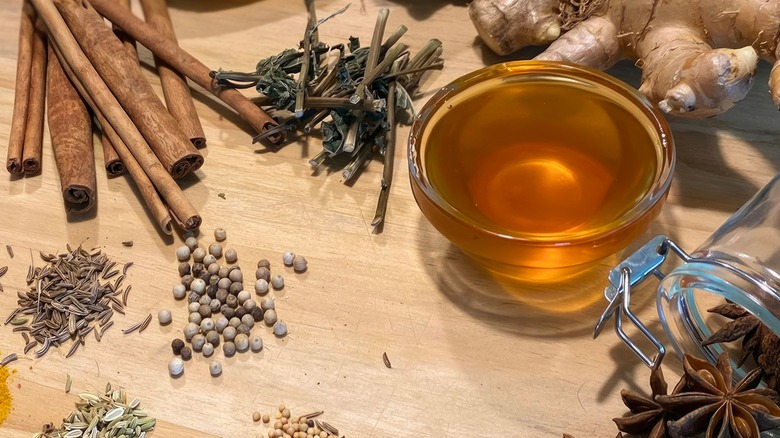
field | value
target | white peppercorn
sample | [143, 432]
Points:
[209, 260]
[264, 263]
[184, 269]
[242, 342]
[249, 304]
[267, 303]
[213, 269]
[205, 310]
[248, 321]
[176, 367]
[212, 338]
[187, 281]
[188, 234]
[191, 243]
[195, 318]
[199, 340]
[176, 345]
[245, 329]
[229, 349]
[236, 275]
[193, 298]
[208, 349]
[220, 234]
[280, 329]
[223, 271]
[179, 291]
[256, 344]
[205, 299]
[229, 333]
[193, 307]
[288, 257]
[263, 273]
[186, 353]
[164, 317]
[224, 283]
[198, 286]
[300, 264]
[215, 305]
[231, 256]
[269, 317]
[215, 249]
[190, 330]
[240, 312]
[183, 253]
[220, 324]
[221, 296]
[213, 280]
[198, 254]
[234, 322]
[243, 296]
[257, 314]
[215, 368]
[207, 325]
[197, 269]
[277, 281]
[261, 287]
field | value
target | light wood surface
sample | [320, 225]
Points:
[471, 356]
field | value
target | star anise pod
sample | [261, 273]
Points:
[708, 400]
[646, 415]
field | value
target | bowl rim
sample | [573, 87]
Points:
[657, 192]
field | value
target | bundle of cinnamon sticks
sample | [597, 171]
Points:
[93, 71]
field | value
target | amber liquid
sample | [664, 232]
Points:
[549, 160]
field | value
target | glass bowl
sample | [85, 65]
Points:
[539, 165]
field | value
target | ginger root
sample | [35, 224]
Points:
[697, 58]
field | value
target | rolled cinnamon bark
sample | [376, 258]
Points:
[123, 77]
[126, 39]
[188, 65]
[174, 85]
[108, 106]
[70, 126]
[36, 109]
[22, 90]
[111, 160]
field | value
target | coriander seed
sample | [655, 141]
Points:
[261, 287]
[220, 324]
[176, 367]
[229, 333]
[179, 291]
[288, 257]
[280, 329]
[195, 318]
[242, 342]
[209, 260]
[215, 368]
[256, 344]
[193, 307]
[207, 325]
[267, 303]
[263, 274]
[191, 243]
[277, 282]
[183, 253]
[184, 269]
[243, 296]
[256, 313]
[176, 345]
[198, 254]
[264, 263]
[164, 317]
[212, 337]
[198, 341]
[300, 264]
[186, 353]
[198, 286]
[269, 317]
[215, 249]
[190, 330]
[285, 413]
[266, 419]
[229, 349]
[256, 416]
[220, 234]
[208, 349]
[231, 256]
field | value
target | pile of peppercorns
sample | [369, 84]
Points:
[221, 311]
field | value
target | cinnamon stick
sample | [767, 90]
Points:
[175, 89]
[22, 89]
[111, 160]
[36, 108]
[109, 107]
[124, 78]
[188, 65]
[126, 39]
[70, 126]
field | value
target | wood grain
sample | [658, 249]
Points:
[471, 355]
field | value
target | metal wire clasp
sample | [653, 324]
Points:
[633, 270]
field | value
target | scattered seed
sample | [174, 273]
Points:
[19, 320]
[73, 348]
[3, 270]
[256, 416]
[220, 234]
[186, 353]
[231, 256]
[386, 360]
[10, 251]
[68, 382]
[176, 345]
[164, 317]
[145, 324]
[176, 367]
[288, 257]
[277, 281]
[215, 368]
[8, 359]
[183, 253]
[127, 243]
[280, 329]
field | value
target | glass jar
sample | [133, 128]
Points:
[739, 262]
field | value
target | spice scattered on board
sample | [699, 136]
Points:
[350, 92]
[283, 424]
[5, 394]
[106, 414]
[75, 293]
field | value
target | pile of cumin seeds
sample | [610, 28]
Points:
[73, 294]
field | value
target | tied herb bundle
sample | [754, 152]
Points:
[350, 92]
